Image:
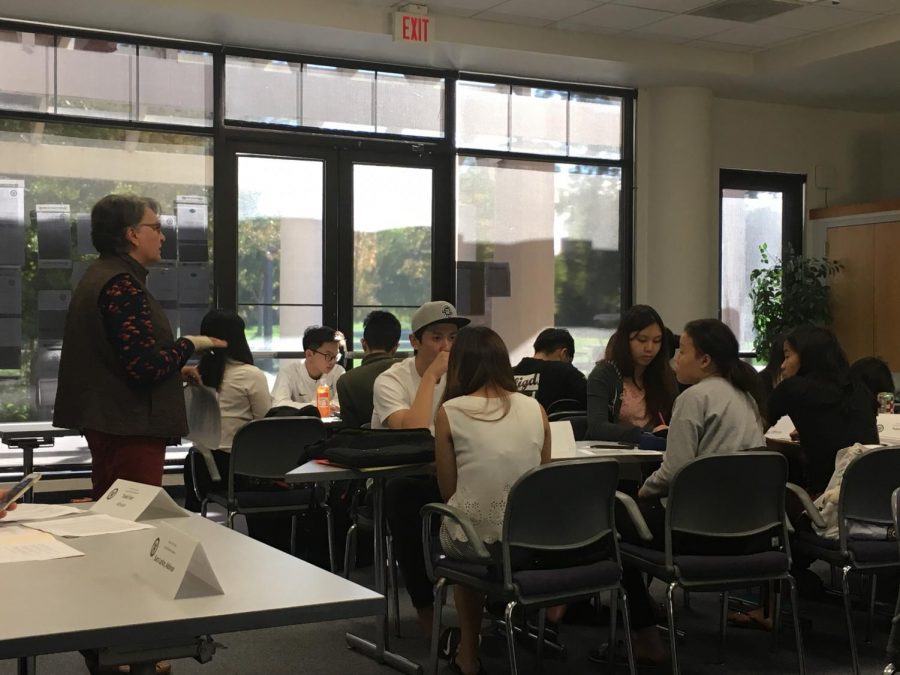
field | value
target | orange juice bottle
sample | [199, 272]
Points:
[323, 400]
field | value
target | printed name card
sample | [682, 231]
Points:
[136, 501]
[176, 565]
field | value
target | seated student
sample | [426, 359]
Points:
[355, 388]
[719, 413]
[487, 435]
[874, 373]
[829, 408]
[632, 389]
[297, 380]
[407, 396]
[242, 389]
[549, 375]
[771, 374]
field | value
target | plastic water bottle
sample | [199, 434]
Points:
[323, 400]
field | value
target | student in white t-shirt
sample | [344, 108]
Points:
[406, 396]
[297, 380]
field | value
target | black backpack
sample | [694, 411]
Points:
[365, 448]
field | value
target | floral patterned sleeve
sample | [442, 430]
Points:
[129, 329]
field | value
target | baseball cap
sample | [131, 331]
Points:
[436, 311]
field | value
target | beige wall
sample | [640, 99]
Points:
[862, 150]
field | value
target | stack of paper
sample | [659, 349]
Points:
[87, 525]
[18, 544]
[26, 511]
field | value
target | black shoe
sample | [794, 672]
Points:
[456, 669]
[448, 643]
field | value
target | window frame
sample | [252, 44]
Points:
[792, 186]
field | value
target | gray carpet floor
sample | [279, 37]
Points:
[321, 648]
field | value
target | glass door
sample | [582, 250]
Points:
[324, 236]
[392, 220]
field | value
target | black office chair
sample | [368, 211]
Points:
[893, 646]
[566, 405]
[866, 489]
[725, 500]
[267, 449]
[559, 508]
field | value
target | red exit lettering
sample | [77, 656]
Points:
[415, 28]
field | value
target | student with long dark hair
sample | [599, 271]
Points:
[242, 388]
[487, 435]
[875, 373]
[632, 389]
[829, 408]
[719, 413]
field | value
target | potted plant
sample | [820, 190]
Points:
[787, 292]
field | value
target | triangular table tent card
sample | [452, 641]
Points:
[136, 502]
[176, 565]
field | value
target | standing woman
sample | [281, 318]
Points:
[242, 389]
[120, 368]
[633, 388]
[829, 408]
[487, 435]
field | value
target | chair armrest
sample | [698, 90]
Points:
[807, 504]
[430, 511]
[637, 518]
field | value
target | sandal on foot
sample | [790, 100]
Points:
[740, 619]
[456, 669]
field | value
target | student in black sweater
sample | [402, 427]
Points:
[549, 375]
[830, 409]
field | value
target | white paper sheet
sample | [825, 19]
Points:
[87, 526]
[781, 430]
[26, 511]
[18, 544]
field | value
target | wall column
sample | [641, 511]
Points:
[676, 228]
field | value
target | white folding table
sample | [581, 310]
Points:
[99, 602]
[314, 472]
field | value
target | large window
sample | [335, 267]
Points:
[50, 177]
[756, 208]
[340, 187]
[538, 232]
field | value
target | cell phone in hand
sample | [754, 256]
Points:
[19, 489]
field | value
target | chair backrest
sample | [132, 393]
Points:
[204, 418]
[562, 506]
[270, 447]
[868, 483]
[729, 496]
[564, 405]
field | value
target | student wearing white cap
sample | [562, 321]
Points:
[407, 396]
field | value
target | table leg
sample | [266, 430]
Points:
[28, 447]
[379, 649]
[26, 665]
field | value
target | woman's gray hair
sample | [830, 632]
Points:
[112, 216]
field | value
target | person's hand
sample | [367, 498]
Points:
[438, 367]
[203, 342]
[795, 435]
[660, 427]
[218, 344]
[11, 507]
[191, 375]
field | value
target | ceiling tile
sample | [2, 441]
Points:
[557, 10]
[462, 7]
[722, 46]
[812, 19]
[689, 27]
[499, 17]
[655, 37]
[586, 28]
[877, 6]
[754, 35]
[665, 5]
[619, 16]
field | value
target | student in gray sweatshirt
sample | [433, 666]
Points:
[719, 413]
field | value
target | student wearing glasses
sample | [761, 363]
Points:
[297, 380]
[120, 369]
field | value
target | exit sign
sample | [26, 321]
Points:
[409, 27]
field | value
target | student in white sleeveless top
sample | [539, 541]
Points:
[487, 435]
